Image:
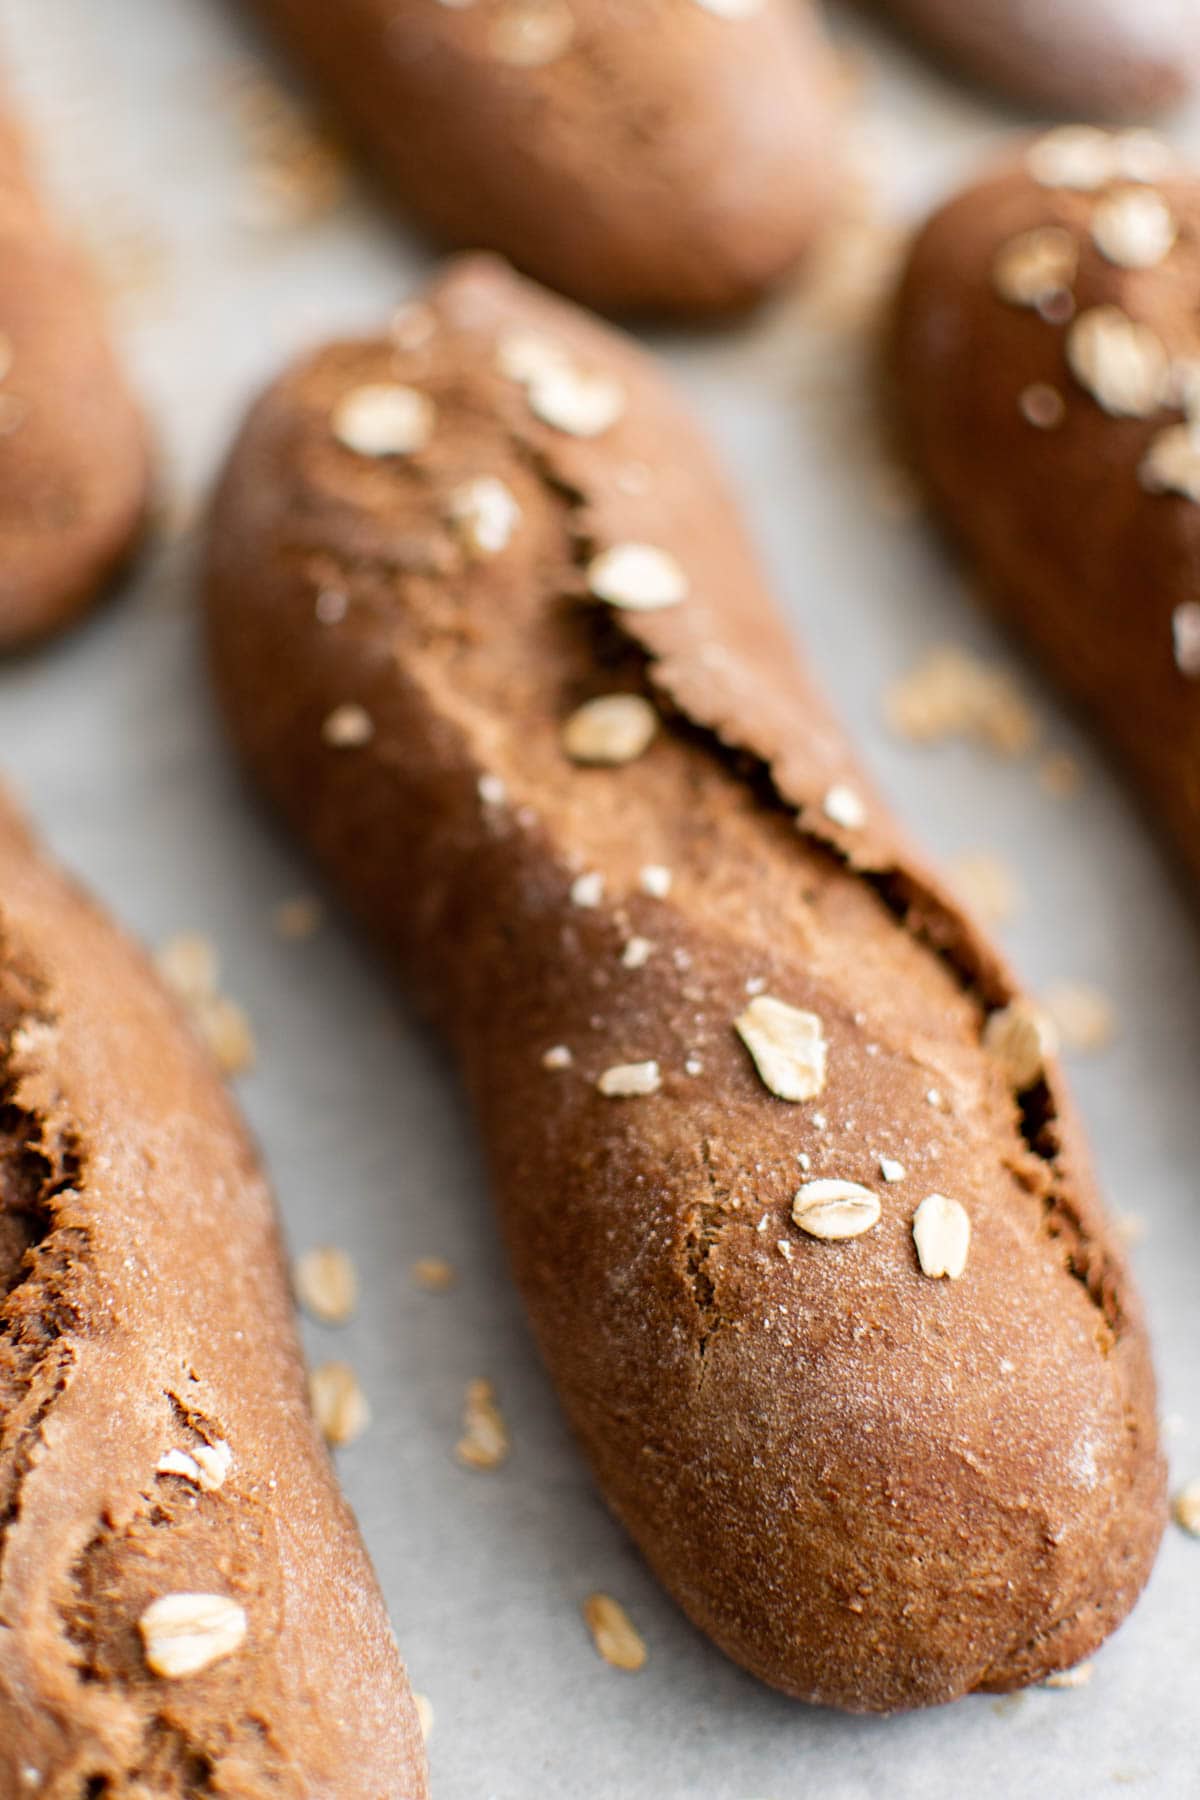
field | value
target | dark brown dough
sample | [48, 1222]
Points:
[144, 1310]
[74, 458]
[873, 1488]
[649, 156]
[1103, 59]
[1092, 557]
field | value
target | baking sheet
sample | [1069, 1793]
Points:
[111, 738]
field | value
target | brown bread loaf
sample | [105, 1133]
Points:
[1104, 59]
[1045, 354]
[74, 461]
[874, 1487]
[185, 1604]
[649, 155]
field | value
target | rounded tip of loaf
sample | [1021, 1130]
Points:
[74, 449]
[1095, 59]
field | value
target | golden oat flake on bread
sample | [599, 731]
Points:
[74, 458]
[649, 155]
[1110, 59]
[185, 1604]
[1045, 356]
[833, 1309]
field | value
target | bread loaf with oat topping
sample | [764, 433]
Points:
[813, 1255]
[74, 458]
[185, 1604]
[667, 156]
[1045, 355]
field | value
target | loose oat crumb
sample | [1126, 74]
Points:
[227, 1031]
[1186, 1508]
[637, 953]
[784, 1247]
[953, 693]
[1082, 1014]
[424, 1706]
[942, 1234]
[1060, 775]
[188, 965]
[491, 790]
[1185, 636]
[383, 419]
[1042, 406]
[626, 1080]
[1121, 363]
[693, 1066]
[434, 1274]
[787, 1045]
[844, 806]
[295, 174]
[1077, 1677]
[185, 1633]
[655, 880]
[891, 1170]
[587, 890]
[835, 1210]
[296, 919]
[612, 729]
[484, 1443]
[988, 885]
[1134, 228]
[613, 1633]
[557, 1057]
[326, 1284]
[637, 578]
[347, 727]
[338, 1402]
[1020, 1037]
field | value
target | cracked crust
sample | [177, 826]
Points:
[666, 160]
[74, 458]
[143, 1309]
[874, 1490]
[1074, 549]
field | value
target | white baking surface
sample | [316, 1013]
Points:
[111, 738]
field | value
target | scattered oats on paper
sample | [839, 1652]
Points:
[189, 965]
[616, 1638]
[484, 1443]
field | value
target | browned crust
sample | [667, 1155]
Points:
[1072, 549]
[1101, 59]
[666, 161]
[74, 455]
[872, 1489]
[144, 1308]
